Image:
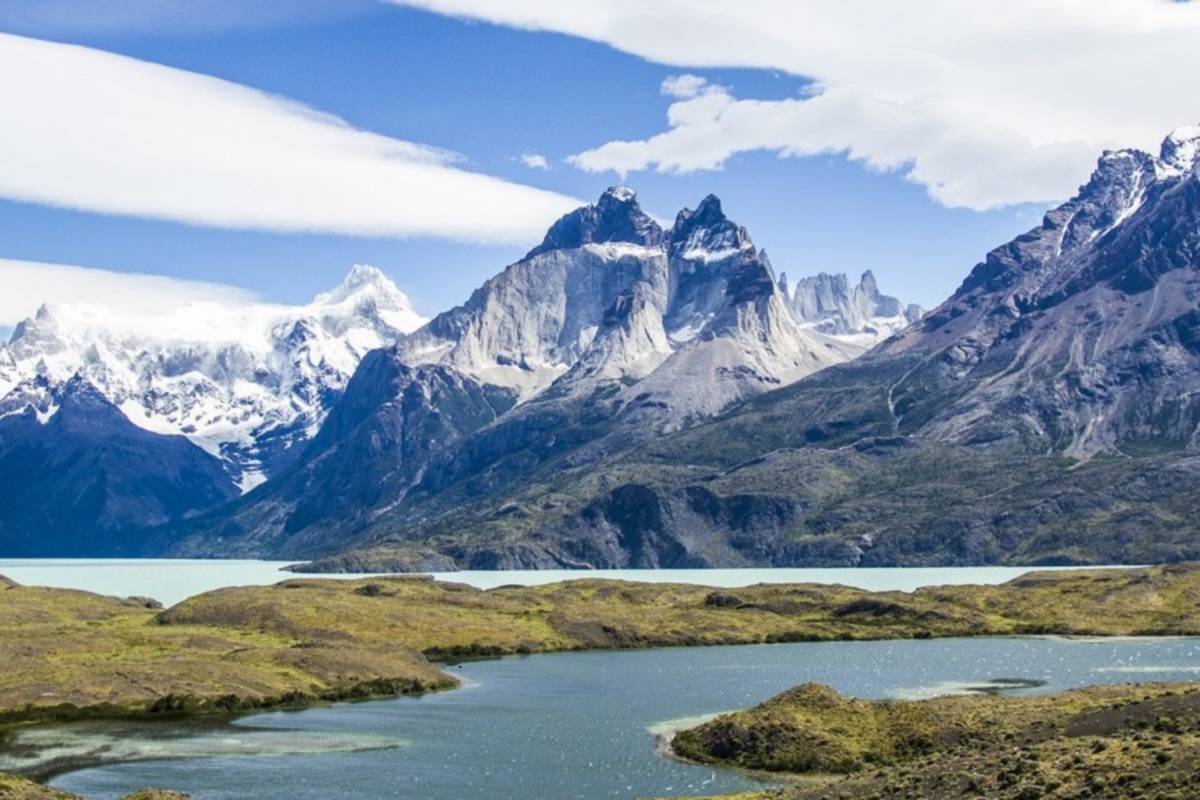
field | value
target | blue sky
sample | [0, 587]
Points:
[489, 93]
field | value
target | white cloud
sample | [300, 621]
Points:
[535, 161]
[27, 285]
[683, 86]
[90, 130]
[984, 104]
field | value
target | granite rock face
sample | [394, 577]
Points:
[611, 332]
[830, 304]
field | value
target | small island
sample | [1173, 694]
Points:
[1110, 741]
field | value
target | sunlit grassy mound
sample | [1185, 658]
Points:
[68, 653]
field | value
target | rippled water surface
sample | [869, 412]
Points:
[579, 725]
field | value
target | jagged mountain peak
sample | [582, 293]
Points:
[367, 297]
[1075, 247]
[80, 401]
[706, 234]
[868, 283]
[616, 217]
[1181, 149]
[831, 304]
[618, 194]
[363, 279]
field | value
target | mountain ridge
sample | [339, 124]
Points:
[611, 332]
[1046, 413]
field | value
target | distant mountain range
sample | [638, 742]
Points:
[244, 383]
[607, 302]
[628, 395]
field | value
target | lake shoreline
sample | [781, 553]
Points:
[664, 740]
[335, 628]
[172, 581]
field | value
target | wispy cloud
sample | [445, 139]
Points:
[91, 130]
[27, 285]
[683, 86]
[984, 104]
[535, 161]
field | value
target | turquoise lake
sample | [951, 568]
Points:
[547, 727]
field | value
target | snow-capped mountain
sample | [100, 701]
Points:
[858, 314]
[246, 383]
[611, 296]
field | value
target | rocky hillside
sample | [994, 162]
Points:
[1045, 413]
[1080, 336]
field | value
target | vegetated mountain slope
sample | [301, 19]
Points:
[247, 383]
[609, 333]
[77, 478]
[1046, 413]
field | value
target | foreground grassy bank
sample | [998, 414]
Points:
[69, 654]
[1100, 742]
[16, 788]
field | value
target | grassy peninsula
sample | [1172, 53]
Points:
[69, 653]
[1125, 741]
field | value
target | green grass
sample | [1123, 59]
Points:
[69, 653]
